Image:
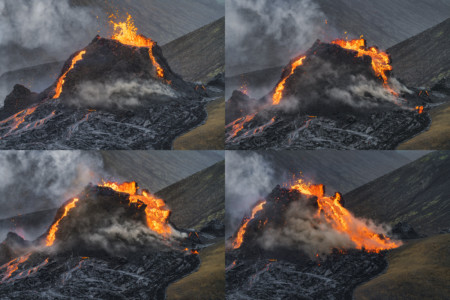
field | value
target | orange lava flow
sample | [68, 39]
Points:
[381, 62]
[62, 79]
[240, 235]
[238, 124]
[13, 266]
[276, 98]
[52, 232]
[156, 211]
[126, 33]
[343, 221]
[17, 119]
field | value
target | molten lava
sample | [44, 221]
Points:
[238, 125]
[156, 211]
[13, 266]
[280, 87]
[62, 79]
[240, 235]
[419, 109]
[343, 221]
[381, 62]
[126, 33]
[52, 232]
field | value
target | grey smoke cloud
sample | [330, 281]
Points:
[50, 25]
[38, 180]
[119, 94]
[247, 179]
[263, 33]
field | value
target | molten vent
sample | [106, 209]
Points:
[343, 221]
[276, 98]
[156, 211]
[381, 62]
[126, 33]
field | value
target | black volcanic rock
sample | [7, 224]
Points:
[18, 99]
[404, 231]
[12, 246]
[111, 99]
[333, 100]
[214, 227]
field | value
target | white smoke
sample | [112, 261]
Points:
[120, 93]
[264, 33]
[247, 179]
[38, 180]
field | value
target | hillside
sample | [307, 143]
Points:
[384, 23]
[417, 193]
[197, 199]
[157, 170]
[424, 59]
[199, 55]
[417, 270]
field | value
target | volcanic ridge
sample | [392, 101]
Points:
[116, 93]
[338, 95]
[111, 241]
[298, 243]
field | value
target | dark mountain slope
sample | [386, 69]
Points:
[424, 59]
[199, 55]
[197, 199]
[417, 193]
[158, 169]
[384, 23]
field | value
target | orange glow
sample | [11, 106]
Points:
[343, 221]
[276, 98]
[240, 235]
[17, 119]
[52, 232]
[238, 125]
[62, 79]
[381, 63]
[419, 109]
[156, 211]
[13, 266]
[126, 33]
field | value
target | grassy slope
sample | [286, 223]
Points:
[197, 199]
[418, 270]
[199, 55]
[437, 137]
[208, 136]
[208, 282]
[417, 193]
[424, 59]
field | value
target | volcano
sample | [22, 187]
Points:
[116, 93]
[298, 243]
[111, 241]
[338, 95]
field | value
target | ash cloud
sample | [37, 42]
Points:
[119, 94]
[247, 179]
[52, 26]
[264, 33]
[39, 180]
[312, 235]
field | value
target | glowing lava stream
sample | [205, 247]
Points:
[343, 221]
[380, 60]
[51, 234]
[126, 33]
[240, 235]
[62, 79]
[156, 211]
[276, 98]
[13, 266]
